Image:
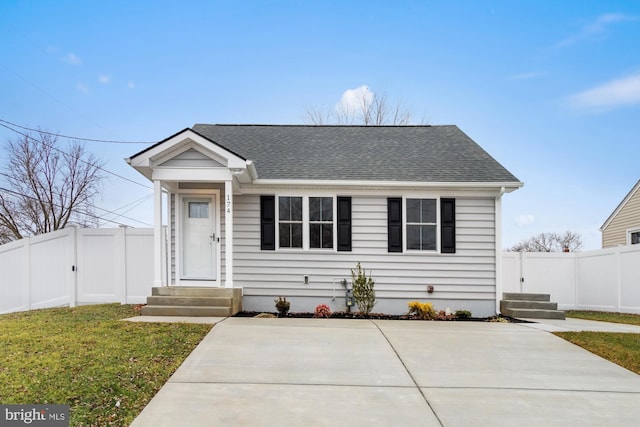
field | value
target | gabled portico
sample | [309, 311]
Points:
[200, 178]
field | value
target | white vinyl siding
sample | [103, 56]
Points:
[467, 274]
[192, 158]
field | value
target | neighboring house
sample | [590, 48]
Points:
[623, 225]
[417, 206]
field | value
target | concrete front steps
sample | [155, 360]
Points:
[530, 306]
[193, 301]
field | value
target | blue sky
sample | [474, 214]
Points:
[550, 89]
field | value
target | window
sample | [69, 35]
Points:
[634, 237]
[305, 222]
[290, 222]
[321, 222]
[414, 224]
[421, 224]
[198, 209]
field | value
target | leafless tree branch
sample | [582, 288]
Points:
[48, 189]
[370, 109]
[568, 241]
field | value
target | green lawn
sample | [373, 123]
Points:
[603, 316]
[619, 348]
[105, 369]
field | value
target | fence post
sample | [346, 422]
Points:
[576, 278]
[73, 288]
[121, 243]
[27, 262]
[618, 256]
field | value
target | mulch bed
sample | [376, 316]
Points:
[380, 316]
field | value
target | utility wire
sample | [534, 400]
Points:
[110, 141]
[121, 215]
[67, 154]
[83, 213]
[135, 203]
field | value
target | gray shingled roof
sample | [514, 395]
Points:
[378, 153]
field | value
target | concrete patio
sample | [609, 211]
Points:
[321, 372]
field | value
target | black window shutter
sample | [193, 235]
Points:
[344, 223]
[267, 223]
[448, 226]
[394, 224]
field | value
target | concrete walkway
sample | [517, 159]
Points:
[321, 372]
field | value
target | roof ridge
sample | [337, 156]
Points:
[316, 126]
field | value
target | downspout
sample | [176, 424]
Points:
[498, 233]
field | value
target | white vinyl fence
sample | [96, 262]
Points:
[76, 266]
[88, 266]
[604, 280]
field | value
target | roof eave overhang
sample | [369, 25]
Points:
[506, 187]
[145, 161]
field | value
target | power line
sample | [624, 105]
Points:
[56, 205]
[83, 161]
[135, 203]
[110, 141]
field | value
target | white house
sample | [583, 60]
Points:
[289, 211]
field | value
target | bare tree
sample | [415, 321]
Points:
[363, 107]
[550, 242]
[46, 188]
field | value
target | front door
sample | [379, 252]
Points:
[199, 240]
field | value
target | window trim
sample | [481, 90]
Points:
[306, 240]
[405, 224]
[321, 223]
[629, 233]
[289, 222]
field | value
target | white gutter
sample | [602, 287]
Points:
[504, 186]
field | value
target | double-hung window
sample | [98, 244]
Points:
[321, 222]
[421, 224]
[290, 222]
[305, 222]
[417, 224]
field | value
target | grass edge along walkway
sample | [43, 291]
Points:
[106, 370]
[622, 349]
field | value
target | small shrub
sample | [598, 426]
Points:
[463, 314]
[422, 310]
[322, 310]
[497, 319]
[363, 292]
[282, 305]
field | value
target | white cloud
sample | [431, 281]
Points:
[525, 219]
[594, 28]
[81, 87]
[353, 100]
[104, 79]
[131, 85]
[613, 94]
[72, 59]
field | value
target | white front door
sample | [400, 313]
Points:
[199, 240]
